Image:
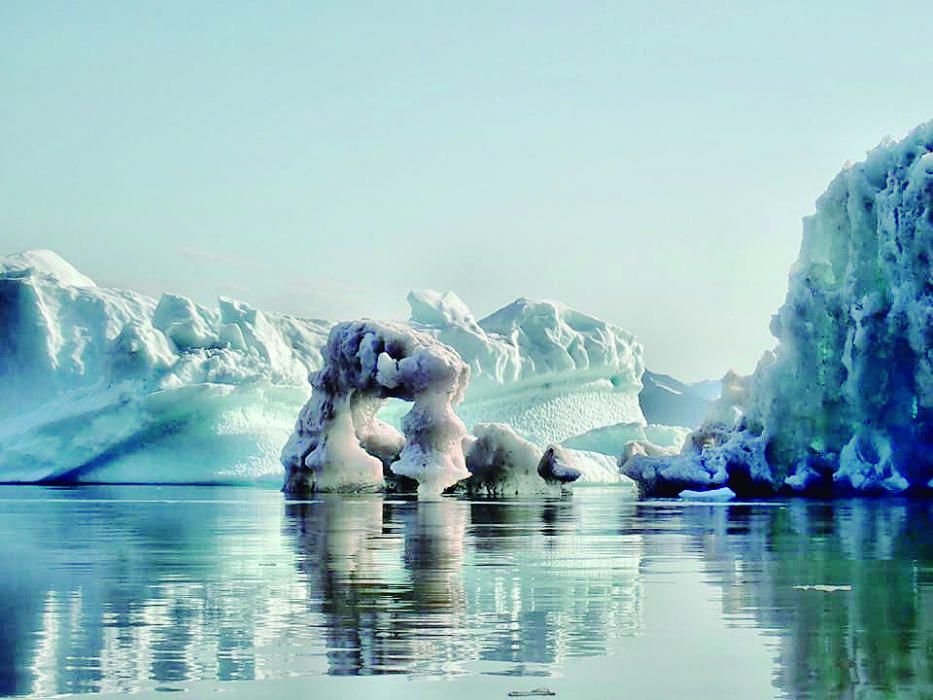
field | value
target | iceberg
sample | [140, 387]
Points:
[501, 462]
[545, 369]
[109, 385]
[713, 496]
[844, 403]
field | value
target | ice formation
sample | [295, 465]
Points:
[844, 404]
[558, 466]
[611, 439]
[711, 496]
[547, 370]
[339, 444]
[500, 462]
[109, 385]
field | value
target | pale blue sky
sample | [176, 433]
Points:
[648, 163]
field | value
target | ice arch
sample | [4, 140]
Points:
[339, 444]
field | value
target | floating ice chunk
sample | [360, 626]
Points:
[503, 463]
[722, 494]
[669, 476]
[557, 466]
[824, 588]
[366, 363]
[531, 693]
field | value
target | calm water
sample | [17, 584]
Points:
[113, 589]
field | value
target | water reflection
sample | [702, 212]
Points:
[429, 588]
[120, 589]
[875, 640]
[387, 577]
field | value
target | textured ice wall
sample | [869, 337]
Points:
[103, 384]
[844, 404]
[547, 370]
[337, 437]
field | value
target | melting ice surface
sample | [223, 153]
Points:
[116, 589]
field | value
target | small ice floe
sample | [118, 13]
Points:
[714, 495]
[530, 693]
[824, 588]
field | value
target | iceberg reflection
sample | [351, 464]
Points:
[116, 589]
[875, 639]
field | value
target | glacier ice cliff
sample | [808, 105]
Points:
[844, 403]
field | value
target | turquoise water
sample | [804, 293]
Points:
[152, 589]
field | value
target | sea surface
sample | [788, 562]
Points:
[206, 590]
